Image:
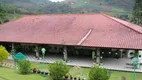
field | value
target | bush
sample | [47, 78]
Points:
[97, 73]
[6, 20]
[58, 70]
[3, 54]
[24, 66]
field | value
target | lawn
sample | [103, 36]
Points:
[12, 74]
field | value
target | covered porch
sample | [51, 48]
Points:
[109, 63]
[114, 59]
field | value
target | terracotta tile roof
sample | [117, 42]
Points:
[70, 29]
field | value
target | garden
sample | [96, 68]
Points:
[58, 70]
[12, 74]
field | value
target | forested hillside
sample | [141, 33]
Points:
[98, 4]
[121, 9]
[125, 4]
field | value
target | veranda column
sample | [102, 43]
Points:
[65, 54]
[13, 49]
[98, 56]
[37, 51]
[121, 55]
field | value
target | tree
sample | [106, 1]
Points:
[3, 54]
[137, 12]
[124, 17]
[97, 73]
[24, 66]
[3, 13]
[58, 69]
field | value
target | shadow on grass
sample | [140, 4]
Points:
[3, 78]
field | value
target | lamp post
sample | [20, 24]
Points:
[43, 50]
[13, 53]
[135, 63]
[15, 67]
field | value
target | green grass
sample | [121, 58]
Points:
[39, 65]
[78, 72]
[12, 74]
[116, 75]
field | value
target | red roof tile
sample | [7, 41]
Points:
[71, 28]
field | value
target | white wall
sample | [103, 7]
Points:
[129, 53]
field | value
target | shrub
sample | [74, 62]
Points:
[24, 66]
[97, 73]
[6, 20]
[58, 69]
[3, 54]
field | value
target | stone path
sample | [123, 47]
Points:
[119, 64]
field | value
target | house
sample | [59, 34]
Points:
[73, 33]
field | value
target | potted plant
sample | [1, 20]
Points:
[66, 76]
[46, 73]
[34, 70]
[101, 63]
[41, 72]
[38, 71]
[71, 77]
[96, 64]
[74, 78]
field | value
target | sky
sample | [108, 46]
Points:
[56, 0]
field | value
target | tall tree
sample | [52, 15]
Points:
[137, 12]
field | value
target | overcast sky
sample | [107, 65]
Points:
[56, 0]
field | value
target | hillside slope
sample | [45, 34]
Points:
[103, 4]
[100, 4]
[113, 7]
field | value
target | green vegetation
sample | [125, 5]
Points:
[12, 74]
[58, 69]
[97, 73]
[10, 12]
[3, 54]
[24, 66]
[120, 9]
[137, 12]
[2, 14]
